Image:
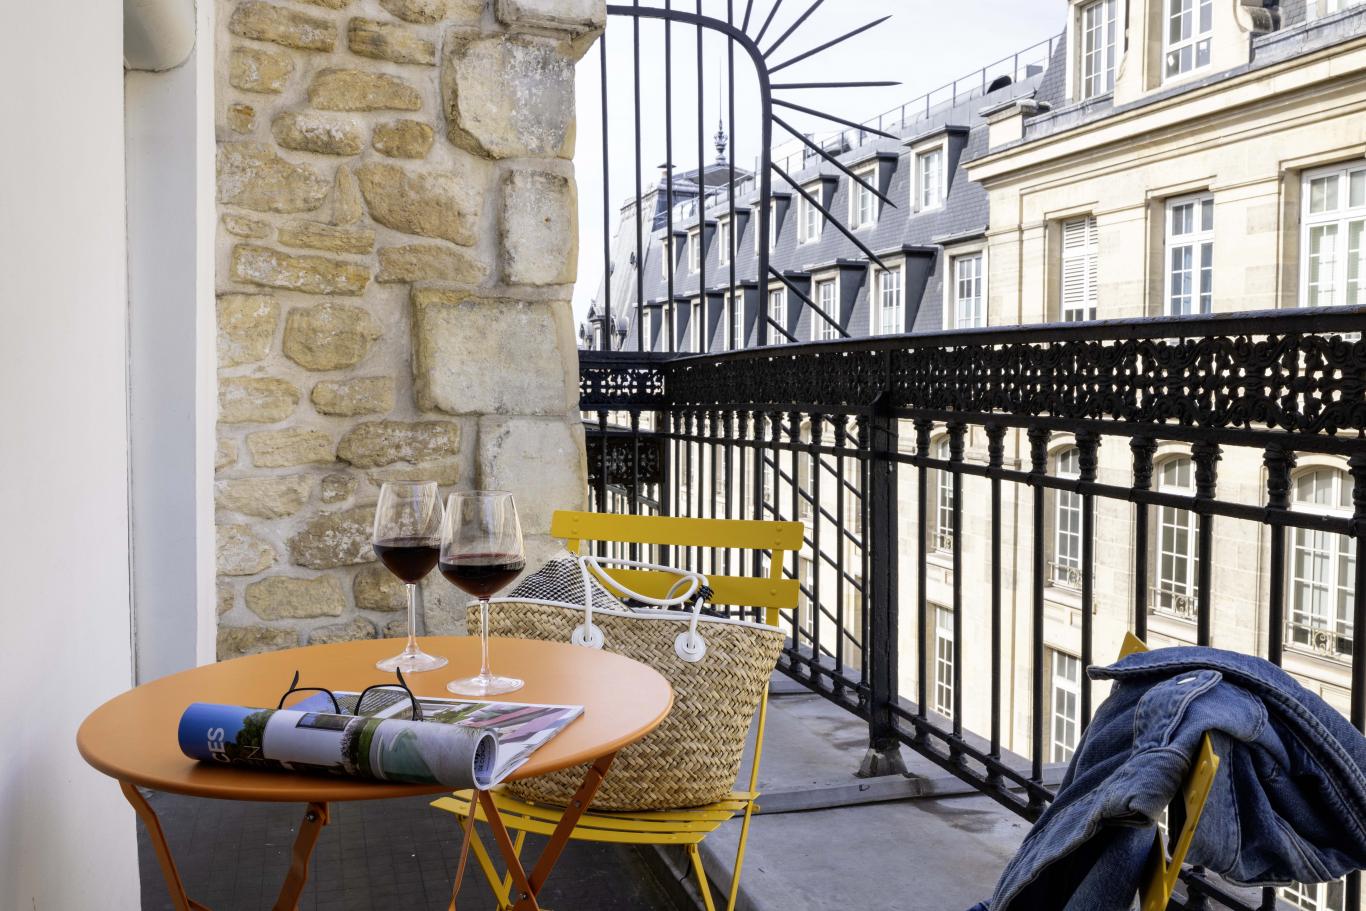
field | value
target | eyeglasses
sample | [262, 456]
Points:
[384, 696]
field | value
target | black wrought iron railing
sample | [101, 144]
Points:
[946, 478]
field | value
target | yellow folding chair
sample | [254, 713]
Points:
[686, 827]
[1163, 873]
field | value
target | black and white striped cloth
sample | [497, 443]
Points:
[561, 580]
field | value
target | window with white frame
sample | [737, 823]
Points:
[668, 327]
[694, 251]
[803, 466]
[666, 261]
[804, 611]
[777, 312]
[809, 218]
[696, 319]
[1066, 563]
[1080, 269]
[1322, 566]
[823, 329]
[1315, 9]
[1190, 23]
[889, 317]
[969, 285]
[929, 179]
[1316, 896]
[772, 227]
[862, 202]
[1177, 556]
[1098, 24]
[1334, 237]
[943, 660]
[1190, 255]
[1065, 705]
[725, 245]
[737, 321]
[943, 506]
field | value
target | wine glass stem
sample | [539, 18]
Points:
[412, 619]
[484, 638]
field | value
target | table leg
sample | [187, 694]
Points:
[174, 885]
[315, 817]
[526, 888]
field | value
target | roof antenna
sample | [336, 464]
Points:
[721, 138]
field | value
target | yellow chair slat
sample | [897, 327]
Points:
[1165, 873]
[745, 591]
[582, 831]
[669, 531]
[700, 819]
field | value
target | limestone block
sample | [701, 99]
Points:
[403, 139]
[255, 69]
[309, 274]
[330, 4]
[226, 454]
[461, 340]
[290, 447]
[255, 400]
[308, 131]
[541, 460]
[267, 22]
[246, 327]
[429, 262]
[346, 206]
[577, 17]
[264, 498]
[526, 113]
[335, 539]
[349, 398]
[332, 238]
[375, 444]
[237, 641]
[361, 90]
[241, 226]
[287, 598]
[227, 597]
[241, 118]
[387, 41]
[253, 176]
[540, 228]
[422, 12]
[445, 472]
[444, 204]
[337, 487]
[397, 628]
[377, 589]
[329, 336]
[349, 631]
[241, 552]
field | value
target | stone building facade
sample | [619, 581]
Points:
[396, 252]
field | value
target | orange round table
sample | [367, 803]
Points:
[133, 739]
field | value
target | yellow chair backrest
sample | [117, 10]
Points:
[771, 595]
[1164, 873]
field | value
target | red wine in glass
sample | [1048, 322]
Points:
[482, 575]
[408, 558]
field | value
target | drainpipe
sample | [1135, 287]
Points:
[157, 34]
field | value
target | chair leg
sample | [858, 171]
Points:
[740, 857]
[696, 857]
[516, 849]
[481, 854]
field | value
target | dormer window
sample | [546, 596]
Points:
[694, 250]
[929, 179]
[723, 239]
[862, 202]
[773, 226]
[1099, 27]
[1190, 24]
[809, 218]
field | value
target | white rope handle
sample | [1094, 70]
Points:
[689, 645]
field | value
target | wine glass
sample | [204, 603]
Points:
[406, 538]
[481, 552]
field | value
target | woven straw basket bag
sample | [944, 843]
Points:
[718, 669]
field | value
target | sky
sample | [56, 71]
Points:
[925, 45]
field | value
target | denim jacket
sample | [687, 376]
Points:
[1288, 804]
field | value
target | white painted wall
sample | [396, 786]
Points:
[67, 838]
[172, 358]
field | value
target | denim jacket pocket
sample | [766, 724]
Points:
[1160, 711]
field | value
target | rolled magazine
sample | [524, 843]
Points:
[460, 744]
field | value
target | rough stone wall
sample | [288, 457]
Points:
[396, 252]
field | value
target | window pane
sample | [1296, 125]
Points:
[1357, 193]
[1322, 265]
[1323, 194]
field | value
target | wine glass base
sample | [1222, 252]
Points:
[411, 662]
[481, 685]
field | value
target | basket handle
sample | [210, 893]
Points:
[689, 645]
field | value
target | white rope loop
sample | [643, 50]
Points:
[689, 646]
